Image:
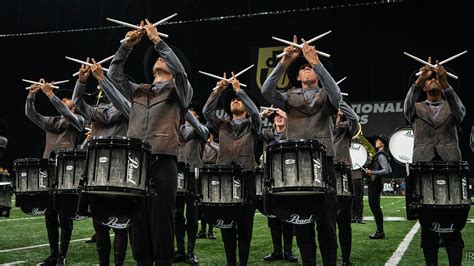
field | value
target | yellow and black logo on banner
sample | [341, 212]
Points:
[267, 61]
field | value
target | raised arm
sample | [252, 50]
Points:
[200, 129]
[269, 90]
[252, 110]
[80, 105]
[410, 102]
[334, 93]
[209, 110]
[30, 110]
[455, 104]
[351, 116]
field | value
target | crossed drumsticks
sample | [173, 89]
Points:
[227, 79]
[437, 64]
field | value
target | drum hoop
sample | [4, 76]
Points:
[302, 144]
[406, 127]
[119, 141]
[214, 167]
[296, 189]
[212, 204]
[440, 164]
[134, 191]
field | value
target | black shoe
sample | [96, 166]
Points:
[360, 221]
[91, 240]
[179, 256]
[273, 256]
[61, 261]
[354, 220]
[290, 257]
[211, 235]
[201, 234]
[346, 263]
[377, 235]
[192, 259]
[49, 261]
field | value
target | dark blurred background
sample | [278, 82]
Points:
[366, 45]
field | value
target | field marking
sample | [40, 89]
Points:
[13, 263]
[19, 219]
[38, 246]
[398, 254]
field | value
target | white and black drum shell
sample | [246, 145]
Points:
[296, 167]
[6, 190]
[183, 176]
[221, 185]
[33, 175]
[259, 182]
[117, 166]
[69, 171]
[440, 185]
[344, 186]
[401, 145]
[359, 155]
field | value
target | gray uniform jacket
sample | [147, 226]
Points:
[343, 134]
[236, 138]
[309, 111]
[106, 119]
[209, 156]
[155, 109]
[435, 125]
[192, 138]
[62, 132]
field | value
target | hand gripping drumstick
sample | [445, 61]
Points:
[82, 62]
[363, 169]
[100, 62]
[426, 63]
[446, 60]
[218, 77]
[301, 46]
[38, 83]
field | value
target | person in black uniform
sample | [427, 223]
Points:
[435, 122]
[310, 109]
[209, 156]
[237, 137]
[345, 127]
[155, 117]
[377, 170]
[106, 121]
[278, 228]
[62, 132]
[193, 136]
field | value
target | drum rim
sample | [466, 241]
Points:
[440, 163]
[288, 141]
[366, 152]
[221, 166]
[130, 139]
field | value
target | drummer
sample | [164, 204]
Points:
[278, 228]
[310, 106]
[106, 120]
[62, 132]
[435, 122]
[237, 137]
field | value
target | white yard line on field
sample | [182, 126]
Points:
[37, 246]
[13, 263]
[19, 219]
[398, 254]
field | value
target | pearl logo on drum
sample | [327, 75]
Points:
[220, 224]
[180, 180]
[235, 188]
[436, 227]
[42, 176]
[114, 223]
[132, 164]
[36, 211]
[295, 219]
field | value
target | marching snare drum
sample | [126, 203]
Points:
[117, 166]
[183, 176]
[343, 180]
[70, 169]
[296, 167]
[6, 190]
[359, 155]
[401, 145]
[440, 185]
[33, 175]
[221, 185]
[259, 182]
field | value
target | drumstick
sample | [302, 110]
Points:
[100, 62]
[236, 75]
[126, 24]
[154, 25]
[269, 108]
[310, 41]
[217, 77]
[37, 83]
[426, 63]
[363, 169]
[82, 62]
[297, 45]
[446, 60]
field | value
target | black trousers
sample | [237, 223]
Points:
[54, 220]
[277, 229]
[103, 244]
[326, 226]
[189, 224]
[241, 232]
[358, 202]
[153, 229]
[344, 206]
[375, 191]
[203, 221]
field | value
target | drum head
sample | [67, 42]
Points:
[359, 155]
[401, 145]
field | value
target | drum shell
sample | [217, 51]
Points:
[69, 171]
[440, 185]
[6, 191]
[221, 185]
[359, 155]
[117, 165]
[296, 167]
[259, 181]
[344, 187]
[182, 188]
[33, 175]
